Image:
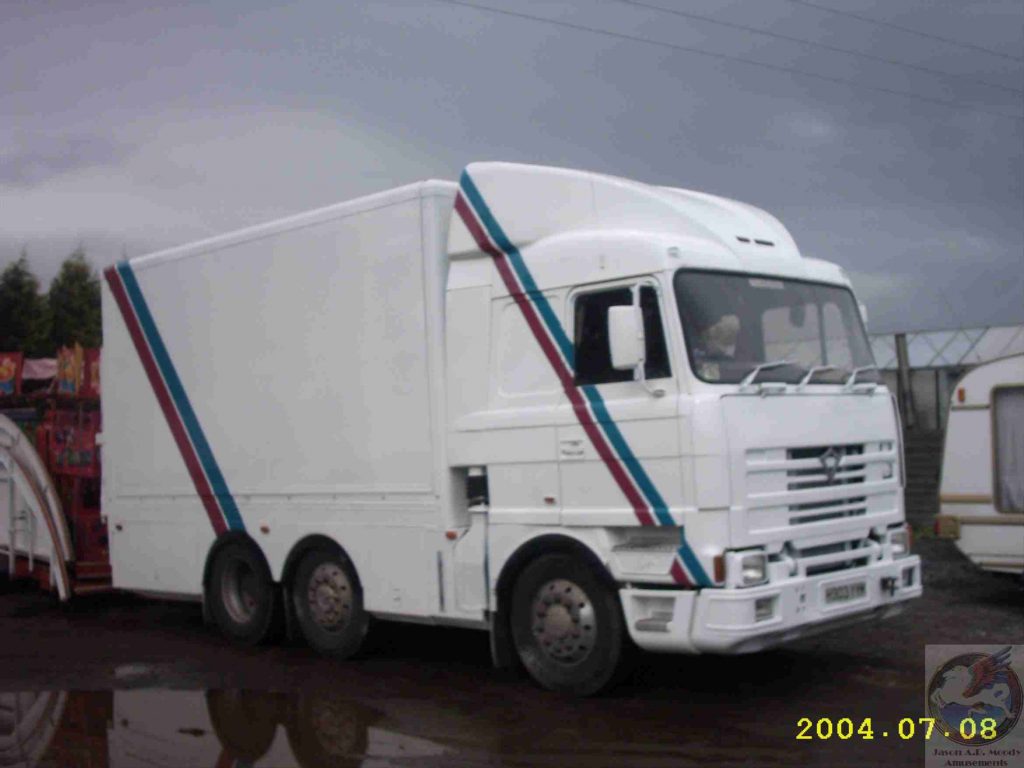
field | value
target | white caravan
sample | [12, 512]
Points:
[566, 408]
[981, 494]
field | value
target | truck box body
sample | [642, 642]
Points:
[309, 360]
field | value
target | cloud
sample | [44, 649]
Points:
[806, 126]
[29, 159]
[189, 177]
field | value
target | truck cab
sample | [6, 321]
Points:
[656, 382]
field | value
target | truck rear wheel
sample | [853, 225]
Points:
[328, 603]
[567, 626]
[240, 593]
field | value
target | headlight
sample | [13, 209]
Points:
[753, 568]
[899, 542]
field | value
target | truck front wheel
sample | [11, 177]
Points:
[567, 626]
[328, 603]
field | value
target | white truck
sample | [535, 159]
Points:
[981, 493]
[572, 410]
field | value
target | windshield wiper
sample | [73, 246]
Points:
[816, 369]
[851, 381]
[750, 377]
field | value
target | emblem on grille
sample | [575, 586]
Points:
[830, 463]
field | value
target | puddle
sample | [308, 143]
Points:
[323, 728]
[131, 671]
[214, 729]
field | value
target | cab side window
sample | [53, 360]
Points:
[591, 347]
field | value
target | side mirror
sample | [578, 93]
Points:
[625, 338]
[863, 312]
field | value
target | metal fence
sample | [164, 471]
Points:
[934, 361]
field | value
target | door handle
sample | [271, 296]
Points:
[571, 449]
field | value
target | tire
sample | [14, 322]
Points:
[245, 722]
[567, 626]
[240, 594]
[327, 602]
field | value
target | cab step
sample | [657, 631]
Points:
[92, 570]
[657, 623]
[92, 587]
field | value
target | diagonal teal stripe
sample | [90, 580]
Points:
[689, 558]
[181, 401]
[497, 234]
[636, 470]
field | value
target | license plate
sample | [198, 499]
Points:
[844, 593]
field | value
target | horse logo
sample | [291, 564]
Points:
[975, 686]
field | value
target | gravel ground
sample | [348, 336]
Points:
[428, 695]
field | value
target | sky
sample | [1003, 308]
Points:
[888, 135]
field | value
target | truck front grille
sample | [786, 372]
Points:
[803, 485]
[817, 511]
[847, 470]
[830, 466]
[832, 558]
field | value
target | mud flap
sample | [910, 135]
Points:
[503, 655]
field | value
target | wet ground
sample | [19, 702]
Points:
[115, 682]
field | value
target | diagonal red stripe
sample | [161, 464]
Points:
[166, 404]
[640, 507]
[679, 574]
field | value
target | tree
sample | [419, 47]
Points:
[74, 301]
[24, 317]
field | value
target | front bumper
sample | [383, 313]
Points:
[727, 621]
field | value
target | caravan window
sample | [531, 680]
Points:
[1008, 439]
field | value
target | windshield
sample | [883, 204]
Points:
[735, 322]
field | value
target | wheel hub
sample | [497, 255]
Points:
[238, 591]
[329, 596]
[563, 621]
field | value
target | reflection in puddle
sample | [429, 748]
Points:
[132, 671]
[220, 729]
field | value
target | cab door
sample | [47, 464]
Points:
[618, 442]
